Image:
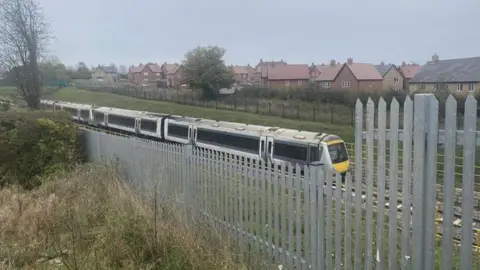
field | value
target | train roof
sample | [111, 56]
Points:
[115, 111]
[75, 105]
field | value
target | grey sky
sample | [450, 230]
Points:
[299, 31]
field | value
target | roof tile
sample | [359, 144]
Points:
[328, 72]
[289, 72]
[364, 71]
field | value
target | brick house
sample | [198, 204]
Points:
[245, 75]
[461, 76]
[326, 74]
[150, 73]
[286, 76]
[358, 77]
[408, 72]
[262, 68]
[392, 76]
[173, 74]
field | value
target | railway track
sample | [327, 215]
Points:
[439, 216]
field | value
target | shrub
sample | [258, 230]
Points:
[89, 219]
[35, 144]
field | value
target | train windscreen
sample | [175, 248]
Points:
[338, 152]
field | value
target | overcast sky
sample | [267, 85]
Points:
[298, 31]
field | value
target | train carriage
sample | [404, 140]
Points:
[280, 146]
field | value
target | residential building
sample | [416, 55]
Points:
[392, 76]
[460, 75]
[262, 69]
[242, 74]
[105, 74]
[173, 74]
[286, 76]
[326, 74]
[408, 71]
[358, 77]
[150, 73]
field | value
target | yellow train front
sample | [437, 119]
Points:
[335, 154]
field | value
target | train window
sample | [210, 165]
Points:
[71, 111]
[288, 151]
[121, 120]
[314, 154]
[85, 114]
[338, 152]
[148, 125]
[177, 131]
[98, 116]
[228, 140]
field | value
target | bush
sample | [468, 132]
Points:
[89, 219]
[35, 144]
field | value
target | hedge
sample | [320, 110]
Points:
[35, 144]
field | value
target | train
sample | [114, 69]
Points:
[275, 144]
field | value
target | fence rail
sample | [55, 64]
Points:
[307, 223]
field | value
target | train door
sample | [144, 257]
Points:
[192, 134]
[266, 148]
[137, 124]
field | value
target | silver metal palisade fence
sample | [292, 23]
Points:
[305, 222]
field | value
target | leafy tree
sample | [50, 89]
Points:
[113, 67]
[122, 69]
[24, 35]
[82, 72]
[205, 70]
[53, 70]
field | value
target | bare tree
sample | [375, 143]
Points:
[24, 35]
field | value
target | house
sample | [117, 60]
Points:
[392, 76]
[105, 74]
[326, 73]
[262, 69]
[460, 75]
[244, 75]
[173, 74]
[358, 77]
[408, 72]
[150, 73]
[285, 76]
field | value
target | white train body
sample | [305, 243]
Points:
[279, 145]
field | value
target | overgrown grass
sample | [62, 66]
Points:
[113, 100]
[89, 219]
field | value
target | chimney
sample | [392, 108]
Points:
[350, 61]
[261, 60]
[382, 63]
[332, 63]
[435, 58]
[404, 64]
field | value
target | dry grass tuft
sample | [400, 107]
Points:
[89, 219]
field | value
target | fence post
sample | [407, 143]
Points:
[424, 197]
[187, 180]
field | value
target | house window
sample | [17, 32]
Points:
[299, 82]
[145, 73]
[145, 79]
[422, 86]
[345, 84]
[396, 80]
[158, 74]
[287, 83]
[370, 84]
[459, 87]
[326, 85]
[470, 87]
